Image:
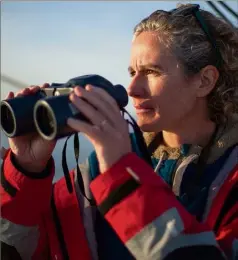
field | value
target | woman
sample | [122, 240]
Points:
[184, 88]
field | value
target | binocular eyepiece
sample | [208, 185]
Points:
[47, 111]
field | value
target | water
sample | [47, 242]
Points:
[85, 149]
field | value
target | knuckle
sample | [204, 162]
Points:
[33, 88]
[18, 93]
[45, 85]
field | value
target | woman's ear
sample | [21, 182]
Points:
[208, 79]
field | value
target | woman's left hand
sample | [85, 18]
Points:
[108, 132]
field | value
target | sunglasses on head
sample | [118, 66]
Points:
[194, 10]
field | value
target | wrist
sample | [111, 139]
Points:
[32, 170]
[27, 165]
[106, 162]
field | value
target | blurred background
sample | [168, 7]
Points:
[52, 41]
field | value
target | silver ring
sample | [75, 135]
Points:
[103, 123]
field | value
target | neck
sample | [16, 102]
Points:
[194, 131]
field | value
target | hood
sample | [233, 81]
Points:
[227, 136]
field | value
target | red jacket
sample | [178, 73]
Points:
[160, 228]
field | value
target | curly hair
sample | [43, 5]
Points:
[184, 37]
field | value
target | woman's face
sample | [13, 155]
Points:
[161, 94]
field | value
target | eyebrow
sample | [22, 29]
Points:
[155, 67]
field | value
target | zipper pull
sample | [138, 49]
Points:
[163, 157]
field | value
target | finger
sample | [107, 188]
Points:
[94, 133]
[10, 95]
[97, 101]
[80, 126]
[34, 89]
[86, 109]
[28, 91]
[103, 95]
[23, 92]
[45, 85]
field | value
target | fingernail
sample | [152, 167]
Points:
[89, 87]
[72, 96]
[78, 91]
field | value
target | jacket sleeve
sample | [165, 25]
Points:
[147, 217]
[227, 230]
[25, 198]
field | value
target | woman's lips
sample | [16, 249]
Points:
[141, 109]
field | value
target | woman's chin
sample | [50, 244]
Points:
[148, 126]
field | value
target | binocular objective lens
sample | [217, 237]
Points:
[45, 120]
[7, 119]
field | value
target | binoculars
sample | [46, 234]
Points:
[47, 111]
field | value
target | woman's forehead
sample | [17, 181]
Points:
[147, 49]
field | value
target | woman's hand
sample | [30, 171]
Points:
[31, 151]
[108, 132]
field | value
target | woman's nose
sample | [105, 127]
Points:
[136, 88]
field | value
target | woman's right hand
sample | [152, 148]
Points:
[31, 151]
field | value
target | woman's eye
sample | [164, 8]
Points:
[151, 72]
[132, 73]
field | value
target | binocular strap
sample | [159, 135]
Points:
[66, 169]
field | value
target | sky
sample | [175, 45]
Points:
[51, 41]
